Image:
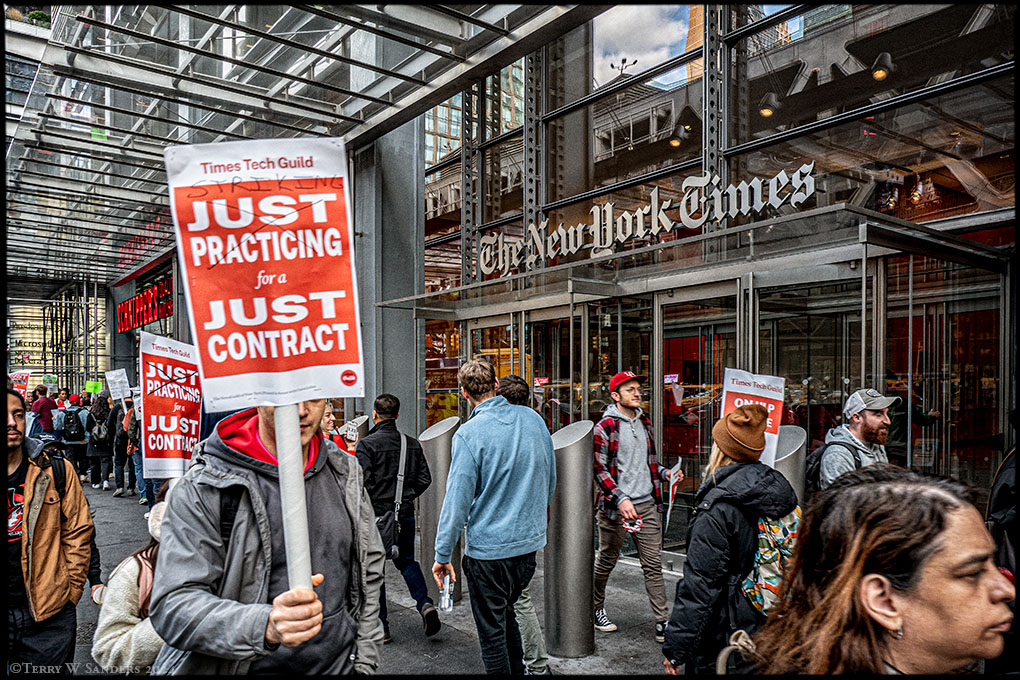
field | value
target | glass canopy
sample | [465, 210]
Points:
[113, 86]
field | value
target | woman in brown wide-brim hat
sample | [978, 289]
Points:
[722, 539]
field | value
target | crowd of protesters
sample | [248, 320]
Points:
[876, 569]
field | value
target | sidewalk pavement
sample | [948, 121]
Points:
[630, 650]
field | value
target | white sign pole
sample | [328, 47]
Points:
[291, 466]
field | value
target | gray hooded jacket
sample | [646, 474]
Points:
[838, 458]
[211, 606]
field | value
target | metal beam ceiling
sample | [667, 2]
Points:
[86, 192]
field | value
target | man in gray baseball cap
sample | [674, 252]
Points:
[860, 440]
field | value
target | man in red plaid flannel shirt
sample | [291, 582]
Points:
[627, 473]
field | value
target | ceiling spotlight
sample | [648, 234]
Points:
[917, 192]
[769, 105]
[680, 134]
[883, 66]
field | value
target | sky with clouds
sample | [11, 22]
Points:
[650, 34]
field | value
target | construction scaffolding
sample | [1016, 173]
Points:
[65, 336]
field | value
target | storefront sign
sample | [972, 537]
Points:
[20, 379]
[154, 303]
[170, 406]
[703, 199]
[264, 237]
[741, 387]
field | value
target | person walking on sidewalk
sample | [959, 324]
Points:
[48, 533]
[722, 539]
[100, 444]
[536, 658]
[220, 594]
[860, 440]
[627, 473]
[502, 476]
[71, 426]
[379, 455]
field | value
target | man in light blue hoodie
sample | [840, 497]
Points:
[501, 479]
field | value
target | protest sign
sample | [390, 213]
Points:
[117, 381]
[20, 379]
[265, 241]
[93, 386]
[741, 387]
[50, 381]
[170, 407]
[674, 481]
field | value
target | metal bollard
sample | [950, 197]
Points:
[570, 551]
[437, 443]
[791, 451]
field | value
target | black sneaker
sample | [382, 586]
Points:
[430, 617]
[660, 632]
[387, 638]
[602, 621]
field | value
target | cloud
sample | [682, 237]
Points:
[648, 33]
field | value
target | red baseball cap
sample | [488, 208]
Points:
[74, 399]
[624, 376]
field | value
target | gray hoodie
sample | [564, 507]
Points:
[632, 458]
[838, 458]
[211, 605]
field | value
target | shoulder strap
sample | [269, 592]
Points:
[230, 498]
[59, 474]
[400, 474]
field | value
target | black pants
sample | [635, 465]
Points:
[408, 567]
[42, 647]
[76, 453]
[494, 586]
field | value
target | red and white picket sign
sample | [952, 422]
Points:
[20, 379]
[741, 387]
[170, 407]
[265, 241]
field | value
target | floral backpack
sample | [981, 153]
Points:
[776, 540]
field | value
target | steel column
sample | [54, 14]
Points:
[437, 443]
[570, 548]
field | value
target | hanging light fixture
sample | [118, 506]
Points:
[918, 191]
[769, 105]
[883, 66]
[681, 132]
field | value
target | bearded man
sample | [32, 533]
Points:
[860, 440]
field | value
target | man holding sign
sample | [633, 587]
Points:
[265, 242]
[220, 597]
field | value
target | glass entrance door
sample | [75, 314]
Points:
[947, 364]
[699, 341]
[556, 393]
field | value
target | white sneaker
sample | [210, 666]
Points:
[83, 478]
[602, 621]
[146, 515]
[118, 492]
[95, 486]
[106, 485]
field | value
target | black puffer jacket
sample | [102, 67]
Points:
[721, 543]
[379, 455]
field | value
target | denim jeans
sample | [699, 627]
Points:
[494, 586]
[536, 657]
[409, 568]
[147, 486]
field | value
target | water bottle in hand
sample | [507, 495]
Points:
[446, 595]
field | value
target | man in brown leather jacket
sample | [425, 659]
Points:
[48, 535]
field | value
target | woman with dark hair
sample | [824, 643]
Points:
[100, 444]
[893, 573]
[125, 640]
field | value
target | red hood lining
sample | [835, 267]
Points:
[241, 433]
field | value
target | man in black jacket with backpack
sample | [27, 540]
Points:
[379, 455]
